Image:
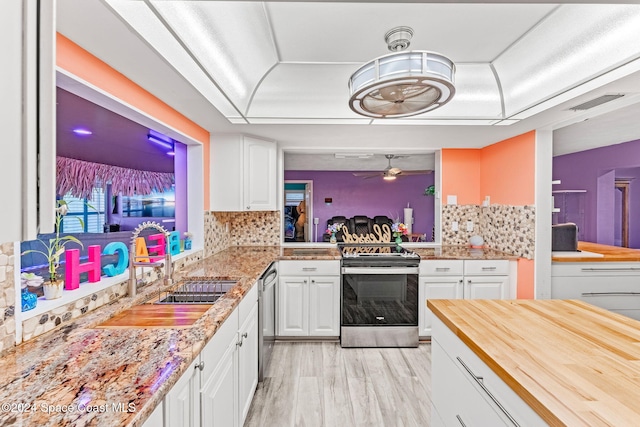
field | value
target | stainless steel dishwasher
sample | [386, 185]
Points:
[266, 318]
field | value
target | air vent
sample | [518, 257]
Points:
[353, 155]
[595, 102]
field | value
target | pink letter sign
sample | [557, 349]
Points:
[158, 249]
[73, 268]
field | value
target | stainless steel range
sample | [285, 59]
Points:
[379, 296]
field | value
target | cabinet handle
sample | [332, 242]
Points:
[610, 269]
[239, 343]
[309, 268]
[443, 268]
[199, 366]
[460, 421]
[313, 281]
[248, 207]
[304, 281]
[246, 334]
[593, 294]
[480, 382]
[488, 268]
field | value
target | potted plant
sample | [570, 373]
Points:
[52, 251]
[187, 240]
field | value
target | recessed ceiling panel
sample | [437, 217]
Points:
[304, 90]
[552, 59]
[347, 32]
[232, 41]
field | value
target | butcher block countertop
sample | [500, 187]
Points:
[573, 363]
[611, 254]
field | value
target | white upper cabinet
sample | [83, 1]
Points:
[243, 173]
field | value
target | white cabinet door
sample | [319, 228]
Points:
[156, 419]
[259, 174]
[247, 363]
[486, 287]
[219, 393]
[182, 403]
[293, 315]
[446, 287]
[324, 306]
[226, 173]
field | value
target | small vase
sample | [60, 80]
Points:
[333, 238]
[398, 240]
[29, 300]
[52, 290]
[187, 244]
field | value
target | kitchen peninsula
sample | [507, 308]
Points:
[530, 363]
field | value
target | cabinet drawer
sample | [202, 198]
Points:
[494, 391]
[309, 268]
[595, 269]
[485, 267]
[441, 267]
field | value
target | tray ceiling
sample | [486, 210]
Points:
[288, 62]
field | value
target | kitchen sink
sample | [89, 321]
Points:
[201, 291]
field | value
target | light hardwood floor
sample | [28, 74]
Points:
[322, 384]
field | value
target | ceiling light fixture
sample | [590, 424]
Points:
[402, 84]
[82, 131]
[160, 139]
[388, 176]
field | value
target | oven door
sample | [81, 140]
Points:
[382, 296]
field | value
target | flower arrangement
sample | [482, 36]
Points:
[399, 229]
[334, 228]
[56, 246]
[188, 235]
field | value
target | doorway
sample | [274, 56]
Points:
[298, 211]
[621, 220]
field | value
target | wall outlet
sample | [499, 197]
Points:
[452, 199]
[469, 225]
[226, 227]
[316, 221]
[454, 226]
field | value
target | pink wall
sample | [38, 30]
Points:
[504, 171]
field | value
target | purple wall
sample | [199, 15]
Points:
[584, 170]
[182, 210]
[357, 196]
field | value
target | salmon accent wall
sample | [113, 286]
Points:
[508, 169]
[76, 60]
[505, 171]
[461, 175]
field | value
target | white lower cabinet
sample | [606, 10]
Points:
[460, 279]
[157, 416]
[309, 306]
[217, 389]
[182, 403]
[614, 286]
[308, 298]
[466, 392]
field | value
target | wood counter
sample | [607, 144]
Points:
[611, 253]
[573, 363]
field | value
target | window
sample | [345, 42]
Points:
[91, 212]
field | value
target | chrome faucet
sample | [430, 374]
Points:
[134, 260]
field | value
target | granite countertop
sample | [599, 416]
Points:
[461, 252]
[610, 254]
[575, 364]
[78, 368]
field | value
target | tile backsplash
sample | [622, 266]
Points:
[506, 228]
[224, 229]
[7, 298]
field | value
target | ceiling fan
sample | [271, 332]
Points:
[390, 172]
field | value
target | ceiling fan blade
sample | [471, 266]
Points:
[422, 172]
[367, 174]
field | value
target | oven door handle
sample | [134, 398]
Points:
[380, 270]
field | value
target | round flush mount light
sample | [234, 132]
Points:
[402, 84]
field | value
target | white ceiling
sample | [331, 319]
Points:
[283, 66]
